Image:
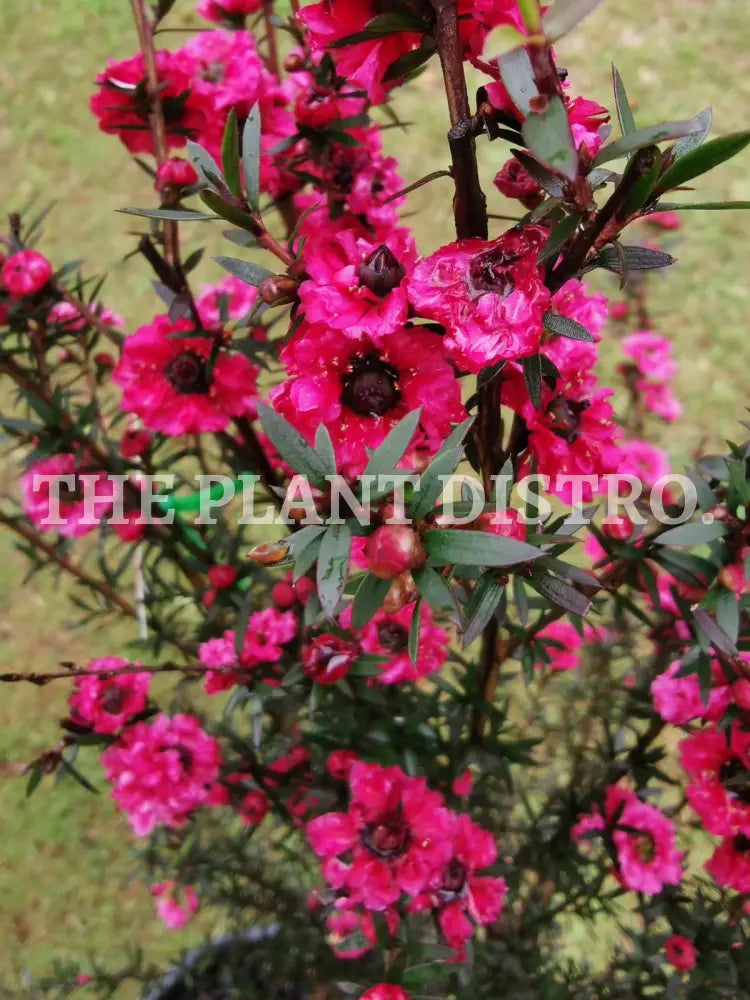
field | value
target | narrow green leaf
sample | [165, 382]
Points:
[699, 161]
[291, 445]
[690, 142]
[223, 208]
[434, 589]
[368, 600]
[333, 566]
[624, 114]
[430, 483]
[451, 546]
[381, 26]
[173, 214]
[532, 376]
[230, 154]
[324, 449]
[647, 137]
[559, 592]
[565, 327]
[548, 136]
[644, 186]
[708, 206]
[484, 601]
[518, 78]
[245, 270]
[414, 629]
[564, 15]
[728, 614]
[240, 237]
[551, 182]
[390, 452]
[695, 533]
[714, 632]
[410, 61]
[456, 437]
[251, 158]
[559, 234]
[205, 166]
[634, 258]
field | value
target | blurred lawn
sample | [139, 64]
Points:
[64, 862]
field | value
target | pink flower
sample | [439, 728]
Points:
[729, 865]
[642, 460]
[388, 636]
[170, 911]
[651, 353]
[564, 646]
[175, 172]
[167, 382]
[680, 952]
[251, 804]
[161, 771]
[352, 929]
[664, 220]
[25, 273]
[360, 390]
[363, 64]
[66, 315]
[385, 991]
[267, 631]
[573, 432]
[514, 181]
[317, 107]
[106, 704]
[327, 658]
[339, 764]
[460, 896]
[658, 398]
[588, 123]
[463, 784]
[357, 284]
[734, 576]
[719, 786]
[647, 859]
[122, 107]
[490, 296]
[391, 841]
[232, 12]
[678, 699]
[575, 359]
[231, 298]
[74, 519]
[618, 310]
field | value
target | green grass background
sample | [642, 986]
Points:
[66, 874]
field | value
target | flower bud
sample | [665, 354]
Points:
[277, 288]
[135, 442]
[283, 595]
[175, 172]
[269, 554]
[393, 548]
[327, 658]
[402, 591]
[294, 63]
[380, 272]
[221, 575]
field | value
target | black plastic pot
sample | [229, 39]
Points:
[226, 968]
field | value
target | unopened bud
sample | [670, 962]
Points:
[277, 288]
[402, 591]
[294, 63]
[393, 548]
[269, 554]
[380, 272]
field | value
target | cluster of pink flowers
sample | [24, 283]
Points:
[651, 358]
[161, 771]
[398, 844]
[266, 633]
[643, 839]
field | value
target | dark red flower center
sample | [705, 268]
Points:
[492, 271]
[380, 272]
[644, 847]
[741, 843]
[565, 417]
[388, 837]
[370, 386]
[736, 781]
[213, 72]
[112, 700]
[454, 879]
[393, 636]
[188, 374]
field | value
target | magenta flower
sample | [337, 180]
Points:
[231, 11]
[37, 501]
[122, 106]
[363, 64]
[385, 991]
[460, 897]
[327, 658]
[357, 284]
[25, 273]
[167, 381]
[360, 390]
[161, 771]
[678, 699]
[680, 952]
[651, 353]
[267, 632]
[388, 636]
[106, 704]
[391, 841]
[490, 296]
[173, 913]
[729, 865]
[719, 786]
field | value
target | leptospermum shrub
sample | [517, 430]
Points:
[437, 734]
